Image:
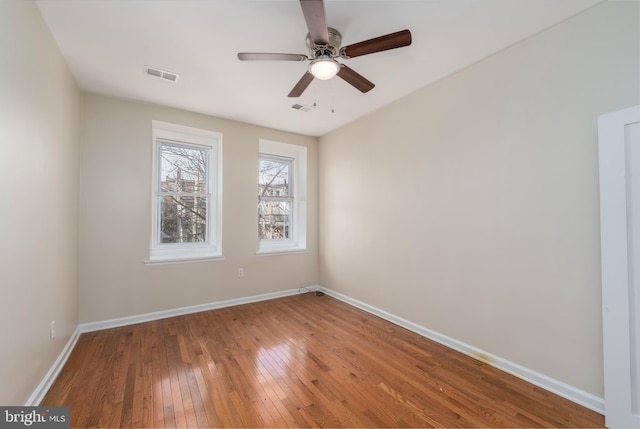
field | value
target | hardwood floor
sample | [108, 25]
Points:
[299, 361]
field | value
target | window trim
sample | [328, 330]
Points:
[191, 137]
[298, 236]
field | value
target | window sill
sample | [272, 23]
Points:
[183, 260]
[269, 252]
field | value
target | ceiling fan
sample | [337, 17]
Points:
[324, 47]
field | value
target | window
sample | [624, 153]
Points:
[186, 193]
[275, 199]
[282, 173]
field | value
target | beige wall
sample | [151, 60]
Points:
[115, 216]
[39, 138]
[471, 206]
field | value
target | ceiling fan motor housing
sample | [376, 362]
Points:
[330, 50]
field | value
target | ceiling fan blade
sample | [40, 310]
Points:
[302, 84]
[377, 44]
[313, 11]
[355, 79]
[263, 56]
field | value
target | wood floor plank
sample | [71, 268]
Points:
[89, 387]
[299, 361]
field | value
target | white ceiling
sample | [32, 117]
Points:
[107, 43]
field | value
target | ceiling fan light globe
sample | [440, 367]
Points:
[324, 68]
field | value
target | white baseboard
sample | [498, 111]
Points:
[558, 387]
[51, 375]
[148, 317]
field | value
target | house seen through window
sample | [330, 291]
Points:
[183, 193]
[275, 199]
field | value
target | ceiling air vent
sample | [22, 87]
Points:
[162, 74]
[302, 107]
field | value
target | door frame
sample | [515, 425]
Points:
[616, 268]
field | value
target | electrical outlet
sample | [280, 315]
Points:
[52, 330]
[240, 272]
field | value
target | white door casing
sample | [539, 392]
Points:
[619, 158]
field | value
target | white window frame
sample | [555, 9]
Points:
[297, 241]
[184, 252]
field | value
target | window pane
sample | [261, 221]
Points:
[274, 219]
[183, 169]
[273, 178]
[183, 219]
